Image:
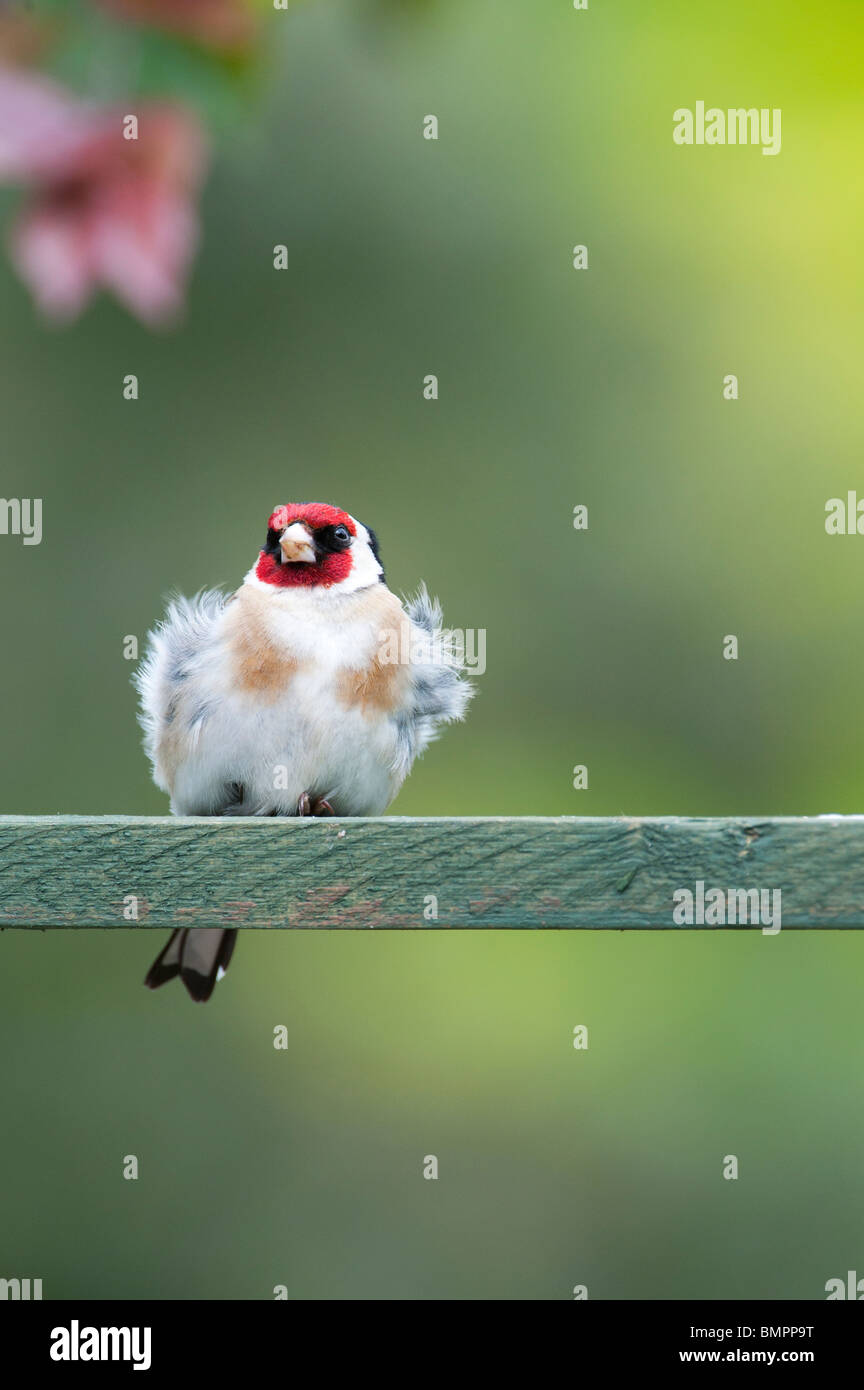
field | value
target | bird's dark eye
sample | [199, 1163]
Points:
[333, 538]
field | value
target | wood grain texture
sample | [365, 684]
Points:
[532, 872]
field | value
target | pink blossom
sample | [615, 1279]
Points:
[103, 210]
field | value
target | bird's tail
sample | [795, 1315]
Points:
[199, 955]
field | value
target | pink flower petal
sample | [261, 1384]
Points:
[143, 239]
[49, 251]
[105, 210]
[42, 130]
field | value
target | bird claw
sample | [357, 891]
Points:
[319, 807]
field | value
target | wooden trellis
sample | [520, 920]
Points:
[407, 873]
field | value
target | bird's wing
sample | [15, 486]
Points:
[439, 692]
[179, 649]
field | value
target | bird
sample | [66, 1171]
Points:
[308, 691]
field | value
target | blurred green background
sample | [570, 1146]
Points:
[304, 1168]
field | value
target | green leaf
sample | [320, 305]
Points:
[110, 61]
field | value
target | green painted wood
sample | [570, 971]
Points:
[565, 872]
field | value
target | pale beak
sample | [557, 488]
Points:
[296, 544]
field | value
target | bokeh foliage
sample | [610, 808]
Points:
[706, 518]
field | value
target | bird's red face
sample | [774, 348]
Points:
[308, 544]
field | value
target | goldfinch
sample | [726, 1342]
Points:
[309, 691]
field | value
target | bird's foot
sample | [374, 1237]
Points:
[307, 807]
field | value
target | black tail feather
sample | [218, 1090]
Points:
[167, 963]
[197, 955]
